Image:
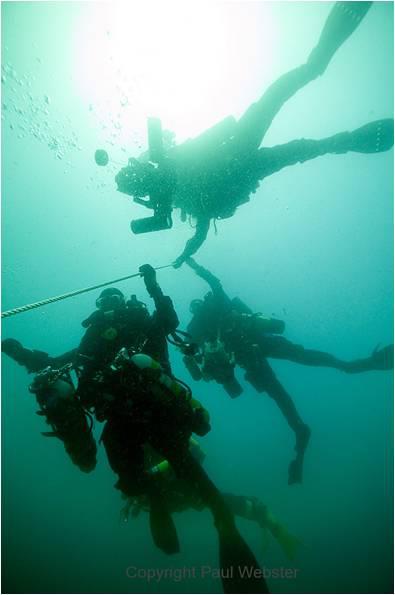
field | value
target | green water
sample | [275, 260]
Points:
[313, 247]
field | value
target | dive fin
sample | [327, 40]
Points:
[374, 137]
[342, 21]
[163, 529]
[288, 542]
[238, 566]
[295, 471]
[383, 359]
[265, 539]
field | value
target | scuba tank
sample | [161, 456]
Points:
[147, 364]
[215, 355]
[141, 376]
[55, 394]
[192, 367]
[189, 349]
[210, 140]
[260, 323]
[151, 369]
[219, 365]
[240, 306]
[272, 326]
[52, 386]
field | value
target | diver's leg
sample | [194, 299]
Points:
[254, 510]
[281, 348]
[125, 456]
[163, 529]
[264, 379]
[247, 508]
[374, 137]
[342, 21]
[380, 359]
[255, 122]
[340, 24]
[234, 552]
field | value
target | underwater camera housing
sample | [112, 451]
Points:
[156, 223]
[233, 387]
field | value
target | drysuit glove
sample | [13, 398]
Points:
[12, 348]
[201, 423]
[149, 275]
[32, 360]
[178, 262]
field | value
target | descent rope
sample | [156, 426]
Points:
[70, 294]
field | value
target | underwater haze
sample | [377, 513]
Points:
[313, 247]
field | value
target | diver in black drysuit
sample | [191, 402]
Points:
[242, 334]
[56, 398]
[210, 176]
[130, 423]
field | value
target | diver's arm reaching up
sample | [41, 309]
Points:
[165, 312]
[193, 245]
[206, 275]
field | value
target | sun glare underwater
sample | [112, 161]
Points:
[286, 201]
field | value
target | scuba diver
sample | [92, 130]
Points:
[248, 340]
[210, 176]
[55, 394]
[125, 380]
[179, 498]
[114, 323]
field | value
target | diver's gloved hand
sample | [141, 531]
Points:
[32, 360]
[12, 348]
[191, 262]
[149, 275]
[201, 423]
[178, 262]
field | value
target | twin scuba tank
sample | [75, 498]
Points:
[258, 322]
[151, 369]
[270, 326]
[165, 390]
[52, 387]
[216, 364]
[56, 396]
